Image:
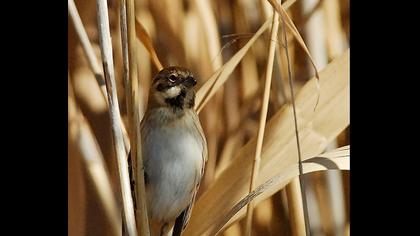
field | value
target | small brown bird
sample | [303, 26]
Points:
[174, 151]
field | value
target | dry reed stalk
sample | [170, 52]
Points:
[333, 162]
[232, 136]
[263, 118]
[83, 139]
[335, 35]
[263, 214]
[200, 51]
[145, 63]
[294, 193]
[279, 148]
[289, 23]
[282, 65]
[315, 32]
[126, 71]
[278, 96]
[137, 159]
[171, 30]
[128, 36]
[233, 230]
[127, 91]
[265, 9]
[294, 202]
[231, 106]
[115, 117]
[211, 33]
[87, 47]
[232, 143]
[192, 39]
[199, 48]
[283, 95]
[92, 60]
[209, 88]
[321, 189]
[327, 187]
[213, 60]
[249, 79]
[76, 189]
[147, 42]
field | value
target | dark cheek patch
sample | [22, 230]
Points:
[160, 87]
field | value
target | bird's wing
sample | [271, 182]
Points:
[182, 220]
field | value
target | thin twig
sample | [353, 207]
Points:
[137, 159]
[263, 118]
[92, 60]
[114, 113]
[301, 178]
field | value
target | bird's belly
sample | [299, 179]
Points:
[173, 160]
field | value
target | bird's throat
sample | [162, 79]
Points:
[176, 102]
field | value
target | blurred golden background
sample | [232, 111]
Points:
[204, 35]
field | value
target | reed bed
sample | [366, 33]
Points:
[272, 96]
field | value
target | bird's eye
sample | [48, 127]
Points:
[172, 78]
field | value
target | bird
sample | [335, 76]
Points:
[174, 151]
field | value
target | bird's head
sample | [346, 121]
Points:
[173, 87]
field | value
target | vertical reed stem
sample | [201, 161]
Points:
[137, 159]
[114, 113]
[263, 118]
[301, 177]
[91, 58]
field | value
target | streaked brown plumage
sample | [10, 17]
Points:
[174, 150]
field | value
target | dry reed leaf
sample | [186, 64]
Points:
[289, 23]
[342, 151]
[208, 89]
[333, 162]
[147, 43]
[316, 129]
[232, 143]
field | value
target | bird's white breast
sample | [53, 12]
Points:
[173, 159]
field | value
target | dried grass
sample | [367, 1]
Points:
[241, 85]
